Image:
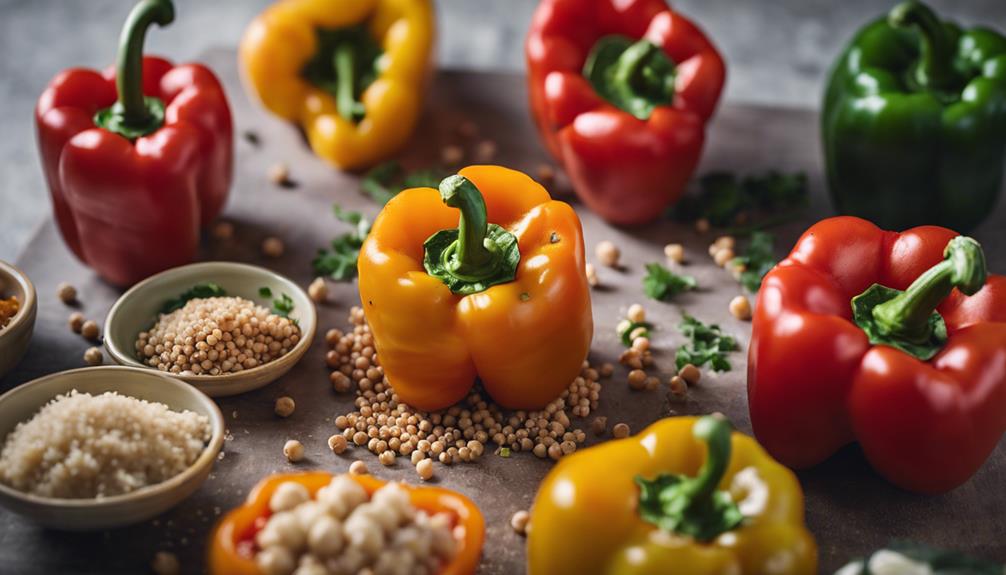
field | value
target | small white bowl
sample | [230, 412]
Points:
[15, 337]
[21, 403]
[138, 308]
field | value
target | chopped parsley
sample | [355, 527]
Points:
[707, 344]
[198, 291]
[661, 283]
[386, 180]
[758, 258]
[339, 262]
[724, 198]
[628, 327]
[281, 306]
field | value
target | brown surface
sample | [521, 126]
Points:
[849, 508]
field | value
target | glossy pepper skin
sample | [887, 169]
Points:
[230, 549]
[914, 122]
[625, 169]
[281, 41]
[585, 516]
[130, 207]
[816, 383]
[525, 339]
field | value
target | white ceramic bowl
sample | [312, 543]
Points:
[22, 402]
[15, 337]
[138, 308]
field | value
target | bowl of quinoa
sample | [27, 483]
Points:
[224, 327]
[103, 447]
[18, 308]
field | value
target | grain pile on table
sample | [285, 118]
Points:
[216, 336]
[81, 446]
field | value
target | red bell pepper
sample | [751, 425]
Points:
[621, 91]
[897, 341]
[138, 158]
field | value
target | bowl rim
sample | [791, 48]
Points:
[29, 303]
[125, 358]
[206, 458]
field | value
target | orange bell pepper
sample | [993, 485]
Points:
[684, 497]
[508, 301]
[233, 537]
[350, 72]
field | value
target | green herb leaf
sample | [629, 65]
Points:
[661, 283]
[281, 306]
[758, 259]
[707, 344]
[198, 291]
[264, 292]
[625, 331]
[723, 197]
[387, 180]
[663, 501]
[939, 561]
[339, 262]
[504, 452]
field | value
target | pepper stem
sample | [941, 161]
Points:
[715, 431]
[907, 315]
[345, 89]
[633, 75]
[935, 69]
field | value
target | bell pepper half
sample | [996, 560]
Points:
[686, 496]
[914, 121]
[351, 73]
[499, 292]
[231, 549]
[621, 92]
[897, 341]
[137, 158]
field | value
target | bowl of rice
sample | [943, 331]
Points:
[18, 308]
[224, 327]
[103, 447]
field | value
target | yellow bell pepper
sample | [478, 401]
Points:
[350, 72]
[685, 496]
[449, 299]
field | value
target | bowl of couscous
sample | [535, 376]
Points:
[103, 447]
[18, 308]
[224, 327]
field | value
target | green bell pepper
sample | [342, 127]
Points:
[914, 121]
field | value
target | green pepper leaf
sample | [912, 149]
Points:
[198, 291]
[707, 344]
[661, 283]
[757, 260]
[339, 262]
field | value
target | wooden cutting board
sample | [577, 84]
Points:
[849, 508]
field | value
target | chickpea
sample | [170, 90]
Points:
[519, 522]
[358, 468]
[272, 247]
[76, 322]
[723, 257]
[165, 563]
[702, 225]
[89, 329]
[485, 151]
[66, 293]
[223, 230]
[424, 468]
[591, 273]
[690, 374]
[740, 308]
[620, 431]
[285, 406]
[338, 443]
[293, 450]
[279, 174]
[607, 253]
[93, 356]
[318, 290]
[675, 253]
[452, 155]
[636, 313]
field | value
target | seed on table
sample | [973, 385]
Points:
[641, 343]
[387, 458]
[90, 330]
[599, 426]
[540, 450]
[651, 383]
[675, 253]
[607, 253]
[340, 381]
[485, 151]
[637, 379]
[591, 273]
[678, 385]
[279, 174]
[417, 456]
[293, 450]
[285, 406]
[318, 290]
[468, 129]
[76, 322]
[519, 522]
[690, 374]
[66, 293]
[338, 443]
[555, 452]
[424, 468]
[607, 369]
[545, 174]
[636, 313]
[358, 468]
[452, 155]
[360, 438]
[722, 242]
[272, 247]
[740, 308]
[702, 225]
[93, 356]
[223, 230]
[620, 431]
[567, 447]
[165, 563]
[723, 257]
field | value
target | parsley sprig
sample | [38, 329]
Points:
[339, 263]
[661, 283]
[724, 197]
[198, 291]
[758, 258]
[386, 180]
[281, 306]
[707, 344]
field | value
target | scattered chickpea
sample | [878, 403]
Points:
[340, 382]
[165, 563]
[620, 430]
[599, 426]
[675, 253]
[723, 257]
[279, 174]
[607, 370]
[740, 308]
[722, 243]
[485, 151]
[468, 129]
[519, 522]
[690, 374]
[272, 247]
[66, 293]
[223, 230]
[89, 329]
[591, 272]
[318, 290]
[285, 406]
[452, 155]
[93, 356]
[702, 225]
[607, 253]
[641, 343]
[358, 468]
[637, 379]
[338, 443]
[651, 383]
[424, 468]
[76, 322]
[545, 174]
[678, 386]
[386, 458]
[293, 450]
[636, 313]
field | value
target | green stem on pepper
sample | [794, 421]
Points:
[935, 68]
[346, 80]
[634, 76]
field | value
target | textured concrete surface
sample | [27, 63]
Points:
[778, 52]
